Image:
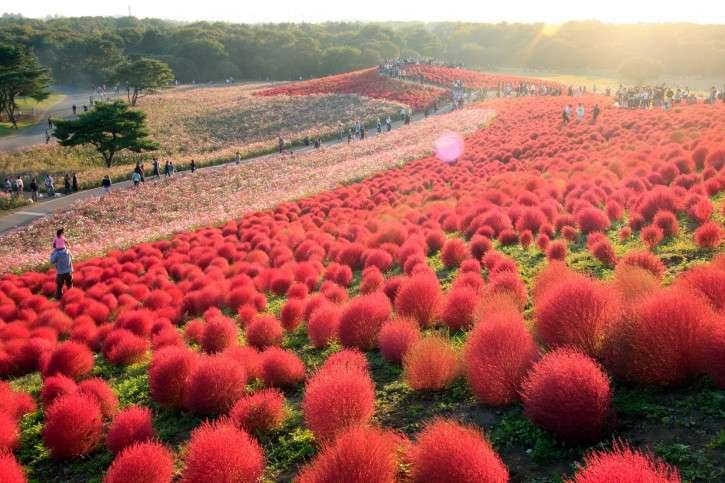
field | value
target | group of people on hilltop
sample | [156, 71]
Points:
[568, 113]
[17, 187]
[521, 89]
[662, 96]
[397, 67]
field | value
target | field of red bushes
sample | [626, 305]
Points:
[445, 76]
[519, 314]
[367, 83]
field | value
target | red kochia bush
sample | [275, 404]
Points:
[430, 364]
[260, 412]
[337, 397]
[396, 337]
[568, 394]
[291, 314]
[169, 373]
[667, 222]
[361, 320]
[592, 219]
[651, 236]
[69, 359]
[449, 452]
[556, 250]
[56, 386]
[220, 452]
[9, 433]
[454, 252]
[714, 353]
[420, 297]
[708, 235]
[359, 455]
[130, 426]
[102, 392]
[645, 259]
[10, 469]
[281, 368]
[459, 306]
[264, 331]
[575, 312]
[665, 337]
[146, 462]
[73, 426]
[497, 355]
[624, 465]
[219, 333]
[215, 384]
[323, 325]
[123, 347]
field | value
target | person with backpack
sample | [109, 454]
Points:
[106, 184]
[34, 188]
[63, 261]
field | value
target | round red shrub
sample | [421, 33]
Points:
[291, 314]
[103, 394]
[449, 452]
[260, 412]
[130, 426]
[219, 333]
[420, 297]
[575, 312]
[10, 469]
[264, 331]
[351, 358]
[568, 394]
[651, 236]
[707, 281]
[147, 462]
[714, 355]
[323, 325]
[9, 432]
[708, 235]
[69, 359]
[604, 252]
[214, 385]
[220, 452]
[430, 364]
[497, 355]
[667, 222]
[396, 337]
[626, 466]
[458, 308]
[337, 397]
[361, 320]
[645, 259]
[56, 386]
[359, 455]
[281, 368]
[556, 250]
[73, 426]
[123, 347]
[169, 373]
[592, 219]
[454, 252]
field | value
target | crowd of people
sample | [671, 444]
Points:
[397, 67]
[662, 96]
[16, 187]
[568, 113]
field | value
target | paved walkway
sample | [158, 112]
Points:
[27, 214]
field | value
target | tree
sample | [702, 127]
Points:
[110, 127]
[142, 76]
[21, 75]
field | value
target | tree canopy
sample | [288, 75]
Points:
[110, 127]
[86, 50]
[142, 76]
[21, 75]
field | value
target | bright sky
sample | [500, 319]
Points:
[255, 11]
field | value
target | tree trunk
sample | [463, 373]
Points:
[135, 96]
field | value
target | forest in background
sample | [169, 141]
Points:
[84, 51]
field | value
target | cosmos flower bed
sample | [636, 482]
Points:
[365, 333]
[444, 76]
[366, 83]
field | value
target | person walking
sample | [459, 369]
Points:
[74, 109]
[8, 186]
[172, 168]
[49, 186]
[66, 184]
[135, 178]
[167, 169]
[379, 126]
[280, 144]
[155, 164]
[74, 181]
[580, 112]
[63, 261]
[34, 190]
[565, 114]
[193, 166]
[238, 159]
[106, 184]
[19, 186]
[388, 124]
[595, 113]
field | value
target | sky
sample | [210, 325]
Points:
[257, 11]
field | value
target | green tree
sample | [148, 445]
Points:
[110, 127]
[21, 75]
[142, 76]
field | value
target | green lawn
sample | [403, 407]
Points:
[25, 106]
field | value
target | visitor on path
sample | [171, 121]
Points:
[136, 179]
[34, 188]
[349, 135]
[379, 126]
[74, 109]
[595, 113]
[280, 144]
[388, 124]
[155, 164]
[50, 123]
[167, 168]
[49, 186]
[66, 184]
[8, 186]
[47, 137]
[59, 240]
[193, 166]
[172, 168]
[19, 186]
[362, 132]
[106, 184]
[565, 114]
[63, 262]
[238, 159]
[580, 112]
[74, 180]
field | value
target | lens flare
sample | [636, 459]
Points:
[449, 147]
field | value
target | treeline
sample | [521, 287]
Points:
[86, 50]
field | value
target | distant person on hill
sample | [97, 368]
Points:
[49, 185]
[280, 144]
[193, 166]
[595, 113]
[349, 135]
[74, 109]
[50, 123]
[66, 184]
[318, 143]
[155, 167]
[19, 186]
[135, 178]
[388, 124]
[8, 186]
[167, 169]
[379, 126]
[580, 112]
[74, 180]
[172, 168]
[362, 132]
[63, 262]
[106, 184]
[238, 159]
[565, 115]
[34, 190]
